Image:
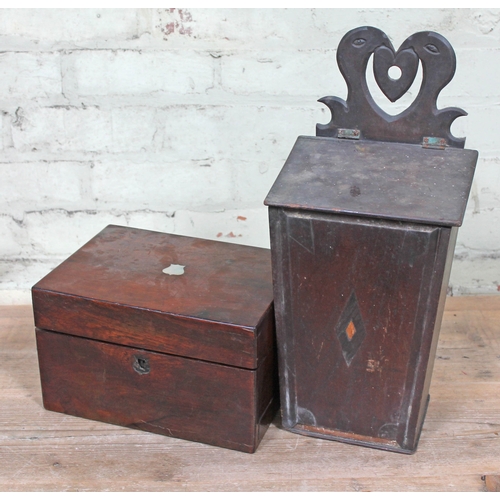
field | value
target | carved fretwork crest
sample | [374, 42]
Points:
[360, 117]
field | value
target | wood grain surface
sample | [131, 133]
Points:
[459, 448]
[388, 279]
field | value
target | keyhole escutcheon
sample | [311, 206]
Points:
[141, 365]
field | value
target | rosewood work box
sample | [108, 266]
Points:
[163, 333]
[363, 222]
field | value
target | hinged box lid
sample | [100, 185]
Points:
[216, 305]
[384, 180]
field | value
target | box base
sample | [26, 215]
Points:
[356, 439]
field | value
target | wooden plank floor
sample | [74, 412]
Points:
[459, 449]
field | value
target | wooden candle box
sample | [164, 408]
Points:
[163, 333]
[361, 283]
[363, 223]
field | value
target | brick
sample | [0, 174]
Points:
[67, 128]
[479, 231]
[167, 186]
[70, 25]
[479, 126]
[60, 232]
[133, 129]
[262, 27]
[43, 184]
[320, 28]
[240, 226]
[30, 75]
[12, 238]
[162, 221]
[486, 183]
[135, 73]
[47, 128]
[258, 133]
[471, 64]
[252, 181]
[23, 274]
[311, 73]
[475, 274]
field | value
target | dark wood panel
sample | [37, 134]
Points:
[356, 303]
[142, 328]
[376, 179]
[170, 395]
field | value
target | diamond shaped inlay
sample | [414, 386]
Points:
[350, 329]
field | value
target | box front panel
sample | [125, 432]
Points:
[169, 395]
[352, 299]
[133, 327]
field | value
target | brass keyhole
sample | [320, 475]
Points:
[141, 365]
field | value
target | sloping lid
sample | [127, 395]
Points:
[376, 179]
[114, 289]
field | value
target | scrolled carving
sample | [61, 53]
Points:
[360, 112]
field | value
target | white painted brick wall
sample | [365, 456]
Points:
[179, 120]
[122, 72]
[43, 184]
[57, 26]
[160, 186]
[30, 75]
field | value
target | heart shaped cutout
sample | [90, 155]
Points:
[406, 61]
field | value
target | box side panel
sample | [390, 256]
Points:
[164, 394]
[265, 334]
[152, 330]
[267, 391]
[434, 316]
[284, 320]
[356, 311]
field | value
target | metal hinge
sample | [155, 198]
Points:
[434, 143]
[348, 133]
